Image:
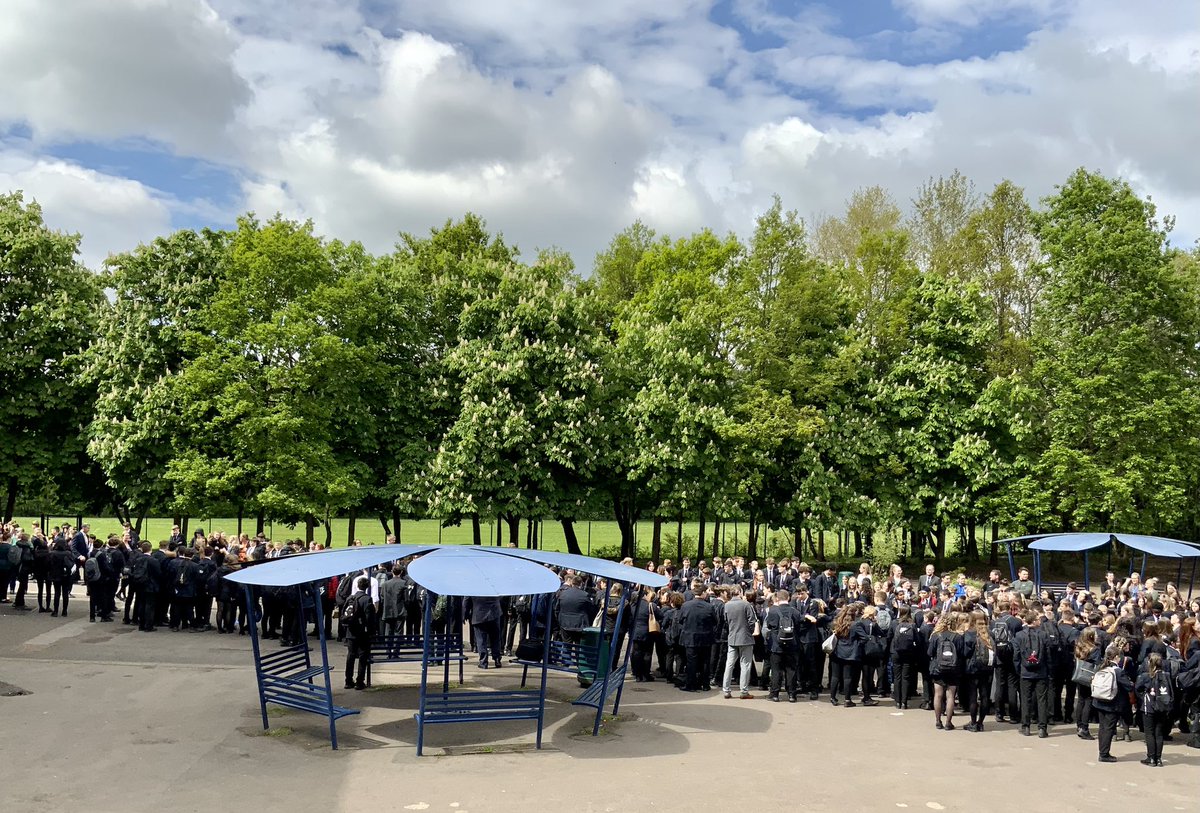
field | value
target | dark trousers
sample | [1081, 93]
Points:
[660, 652]
[203, 610]
[783, 672]
[676, 663]
[869, 669]
[808, 667]
[62, 590]
[844, 678]
[1008, 691]
[96, 603]
[487, 640]
[162, 603]
[905, 674]
[1157, 724]
[978, 688]
[143, 608]
[716, 669]
[22, 577]
[43, 588]
[1108, 729]
[1035, 697]
[357, 649]
[640, 658]
[516, 624]
[181, 612]
[697, 666]
[1083, 706]
[413, 619]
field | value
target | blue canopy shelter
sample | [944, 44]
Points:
[288, 677]
[1086, 543]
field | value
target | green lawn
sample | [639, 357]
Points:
[599, 536]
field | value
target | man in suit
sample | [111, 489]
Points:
[740, 620]
[929, 581]
[686, 572]
[575, 610]
[809, 633]
[485, 614]
[825, 586]
[698, 620]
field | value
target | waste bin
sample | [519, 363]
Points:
[595, 643]
[841, 577]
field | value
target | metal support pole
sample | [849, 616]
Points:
[426, 626]
[1087, 582]
[625, 659]
[325, 669]
[1012, 565]
[262, 696]
[545, 660]
[589, 553]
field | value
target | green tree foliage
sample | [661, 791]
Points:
[49, 308]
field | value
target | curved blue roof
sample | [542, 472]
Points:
[302, 568]
[613, 571]
[462, 571]
[1079, 542]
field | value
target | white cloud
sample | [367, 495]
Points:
[109, 212]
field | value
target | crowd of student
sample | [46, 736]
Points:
[1124, 657]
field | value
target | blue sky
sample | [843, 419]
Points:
[561, 122]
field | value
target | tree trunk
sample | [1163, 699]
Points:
[396, 523]
[798, 541]
[994, 553]
[626, 517]
[260, 523]
[821, 545]
[699, 540]
[752, 539]
[239, 520]
[972, 546]
[568, 526]
[177, 519]
[656, 542]
[869, 541]
[718, 548]
[858, 548]
[137, 526]
[679, 542]
[939, 545]
[529, 534]
[328, 523]
[183, 526]
[310, 525]
[537, 532]
[387, 529]
[351, 522]
[476, 531]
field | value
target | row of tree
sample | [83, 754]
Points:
[976, 364]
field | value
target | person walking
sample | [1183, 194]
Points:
[741, 622]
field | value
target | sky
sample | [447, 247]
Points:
[563, 121]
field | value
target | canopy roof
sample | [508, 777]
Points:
[1079, 542]
[302, 568]
[464, 572]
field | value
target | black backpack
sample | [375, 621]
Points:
[354, 614]
[139, 570]
[787, 627]
[946, 658]
[906, 638]
[1164, 694]
[1001, 636]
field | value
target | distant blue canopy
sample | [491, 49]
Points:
[471, 572]
[1079, 542]
[302, 568]
[613, 571]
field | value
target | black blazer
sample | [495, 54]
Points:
[698, 620]
[575, 609]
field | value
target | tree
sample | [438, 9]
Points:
[159, 291]
[49, 307]
[941, 214]
[1114, 361]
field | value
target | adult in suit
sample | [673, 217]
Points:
[781, 630]
[698, 620]
[810, 632]
[644, 606]
[485, 614]
[929, 581]
[82, 548]
[740, 621]
[825, 586]
[575, 610]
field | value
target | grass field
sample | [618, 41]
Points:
[601, 537]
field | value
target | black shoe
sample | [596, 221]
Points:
[791, 698]
[812, 695]
[1146, 761]
[1025, 731]
[774, 698]
[349, 686]
[1084, 734]
[1107, 758]
[938, 725]
[1158, 763]
[360, 686]
[949, 726]
[1043, 733]
[833, 700]
[972, 727]
[849, 704]
[54, 614]
[870, 702]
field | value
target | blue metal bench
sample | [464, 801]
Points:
[478, 707]
[444, 648]
[576, 659]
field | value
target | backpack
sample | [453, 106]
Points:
[91, 571]
[1163, 695]
[520, 605]
[906, 638]
[14, 554]
[1052, 635]
[985, 658]
[182, 578]
[106, 555]
[352, 614]
[139, 570]
[441, 607]
[1001, 636]
[883, 617]
[947, 654]
[1104, 684]
[787, 627]
[26, 554]
[412, 592]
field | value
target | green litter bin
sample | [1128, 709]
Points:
[595, 641]
[841, 577]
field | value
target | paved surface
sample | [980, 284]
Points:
[123, 721]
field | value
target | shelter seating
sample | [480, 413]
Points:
[411, 648]
[596, 695]
[478, 707]
[285, 678]
[564, 657]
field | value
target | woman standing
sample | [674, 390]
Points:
[641, 612]
[845, 660]
[41, 570]
[1156, 697]
[1088, 651]
[62, 574]
[946, 658]
[981, 663]
[1109, 710]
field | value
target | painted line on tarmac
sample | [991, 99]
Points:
[59, 633]
[148, 664]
